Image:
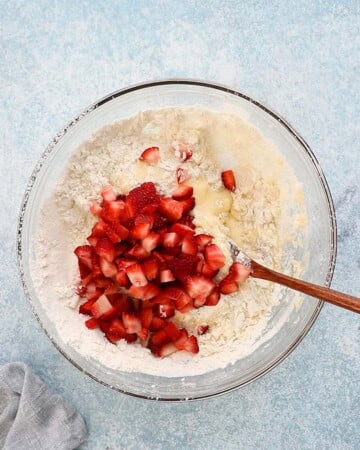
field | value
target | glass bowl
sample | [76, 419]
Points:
[321, 233]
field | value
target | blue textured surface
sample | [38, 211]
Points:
[300, 57]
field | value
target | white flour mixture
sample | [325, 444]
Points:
[258, 216]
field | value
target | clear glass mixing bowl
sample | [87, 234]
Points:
[321, 232]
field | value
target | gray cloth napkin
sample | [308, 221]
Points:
[33, 417]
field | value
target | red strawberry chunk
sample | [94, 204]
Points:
[181, 229]
[136, 275]
[182, 151]
[187, 204]
[95, 209]
[214, 256]
[115, 231]
[228, 180]
[157, 323]
[183, 265]
[207, 271]
[144, 292]
[188, 221]
[166, 276]
[112, 211]
[170, 239]
[150, 268]
[190, 345]
[177, 295]
[166, 350]
[202, 329]
[143, 334]
[132, 323]
[84, 270]
[138, 252]
[85, 308]
[146, 316]
[116, 331]
[158, 338]
[92, 323]
[183, 192]
[140, 230]
[105, 248]
[92, 292]
[239, 272]
[213, 298]
[108, 194]
[228, 285]
[202, 240]
[150, 155]
[108, 269]
[122, 278]
[171, 209]
[141, 196]
[102, 308]
[172, 331]
[189, 246]
[198, 286]
[150, 241]
[165, 311]
[84, 254]
[189, 307]
[182, 175]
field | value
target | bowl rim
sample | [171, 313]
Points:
[191, 82]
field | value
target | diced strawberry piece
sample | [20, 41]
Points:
[164, 311]
[170, 240]
[95, 209]
[182, 339]
[213, 298]
[136, 275]
[182, 151]
[108, 194]
[166, 276]
[112, 211]
[150, 268]
[143, 334]
[84, 254]
[150, 209]
[214, 256]
[228, 285]
[198, 287]
[202, 329]
[84, 270]
[207, 271]
[188, 221]
[176, 295]
[190, 345]
[99, 229]
[239, 272]
[171, 209]
[228, 180]
[198, 302]
[102, 282]
[189, 307]
[129, 338]
[122, 302]
[123, 263]
[183, 265]
[92, 292]
[140, 230]
[181, 229]
[115, 231]
[166, 350]
[122, 278]
[203, 240]
[85, 308]
[156, 324]
[182, 175]
[92, 323]
[92, 240]
[150, 241]
[150, 155]
[107, 268]
[80, 291]
[144, 292]
[183, 192]
[132, 323]
[105, 248]
[112, 289]
[187, 205]
[158, 338]
[95, 262]
[141, 196]
[116, 331]
[138, 252]
[102, 308]
[146, 316]
[172, 331]
[189, 246]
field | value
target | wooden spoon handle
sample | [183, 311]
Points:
[326, 294]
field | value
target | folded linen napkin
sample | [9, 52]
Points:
[33, 417]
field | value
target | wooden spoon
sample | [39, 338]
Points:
[328, 295]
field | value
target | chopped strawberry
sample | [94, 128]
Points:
[177, 295]
[115, 231]
[181, 229]
[214, 256]
[189, 246]
[207, 271]
[108, 269]
[92, 240]
[203, 240]
[143, 334]
[183, 192]
[239, 272]
[182, 175]
[141, 229]
[103, 282]
[108, 194]
[132, 323]
[198, 287]
[181, 151]
[166, 276]
[156, 324]
[202, 329]
[122, 303]
[146, 316]
[228, 180]
[92, 323]
[146, 292]
[102, 308]
[182, 338]
[187, 220]
[92, 292]
[138, 252]
[112, 211]
[172, 331]
[84, 254]
[187, 205]
[189, 307]
[122, 278]
[116, 331]
[95, 209]
[183, 265]
[85, 308]
[141, 196]
[228, 285]
[190, 344]
[150, 155]
[170, 240]
[150, 209]
[213, 298]
[123, 263]
[84, 270]
[136, 275]
[150, 268]
[171, 209]
[158, 338]
[105, 248]
[164, 311]
[150, 241]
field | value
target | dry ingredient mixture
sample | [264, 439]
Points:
[257, 215]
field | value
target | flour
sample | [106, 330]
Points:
[255, 216]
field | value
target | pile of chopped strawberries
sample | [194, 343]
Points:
[144, 261]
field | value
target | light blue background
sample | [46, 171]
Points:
[300, 57]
